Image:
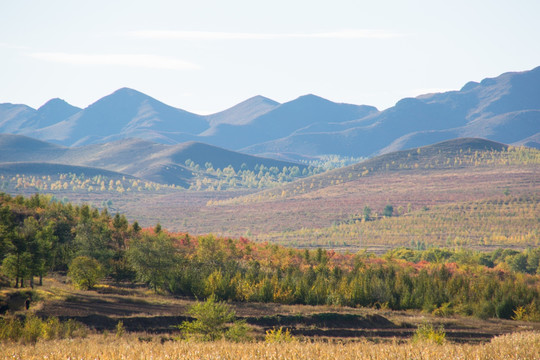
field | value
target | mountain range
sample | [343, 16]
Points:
[504, 109]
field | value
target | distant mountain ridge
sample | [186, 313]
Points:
[143, 159]
[505, 109]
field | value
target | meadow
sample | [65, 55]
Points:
[515, 346]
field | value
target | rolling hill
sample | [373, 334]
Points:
[47, 169]
[439, 156]
[450, 173]
[454, 186]
[143, 159]
[505, 109]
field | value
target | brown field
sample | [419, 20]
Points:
[258, 215]
[521, 346]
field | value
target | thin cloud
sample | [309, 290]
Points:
[131, 60]
[211, 35]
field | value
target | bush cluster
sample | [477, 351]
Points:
[32, 328]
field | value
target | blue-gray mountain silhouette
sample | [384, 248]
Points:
[504, 109]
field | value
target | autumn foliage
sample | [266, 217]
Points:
[500, 284]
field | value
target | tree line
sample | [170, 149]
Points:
[38, 235]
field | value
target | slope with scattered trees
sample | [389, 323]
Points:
[39, 235]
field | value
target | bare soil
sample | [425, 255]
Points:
[144, 312]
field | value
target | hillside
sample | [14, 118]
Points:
[165, 164]
[31, 169]
[470, 171]
[504, 109]
[435, 157]
[442, 178]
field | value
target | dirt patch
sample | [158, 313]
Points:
[143, 312]
[16, 301]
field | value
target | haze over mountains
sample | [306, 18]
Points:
[504, 109]
[139, 158]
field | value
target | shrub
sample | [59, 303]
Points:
[72, 329]
[505, 309]
[52, 329]
[526, 313]
[213, 320]
[85, 272]
[10, 329]
[519, 313]
[444, 310]
[388, 210]
[238, 332]
[120, 330]
[426, 332]
[31, 329]
[279, 336]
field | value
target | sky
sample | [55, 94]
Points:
[206, 56]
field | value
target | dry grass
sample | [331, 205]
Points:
[523, 345]
[509, 221]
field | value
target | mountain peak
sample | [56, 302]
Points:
[52, 102]
[311, 97]
[244, 112]
[262, 98]
[56, 104]
[125, 91]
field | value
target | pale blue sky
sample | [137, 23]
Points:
[205, 56]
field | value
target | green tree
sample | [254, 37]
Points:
[213, 321]
[367, 213]
[28, 233]
[16, 265]
[85, 272]
[154, 259]
[94, 240]
[42, 259]
[7, 231]
[120, 269]
[388, 210]
[518, 262]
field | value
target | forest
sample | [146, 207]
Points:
[39, 235]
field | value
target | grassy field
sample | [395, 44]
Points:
[514, 346]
